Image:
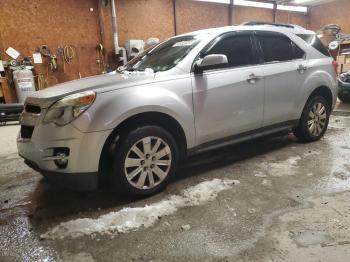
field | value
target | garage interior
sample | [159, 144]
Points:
[289, 201]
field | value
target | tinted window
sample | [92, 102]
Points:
[307, 37]
[276, 48]
[315, 42]
[238, 50]
[298, 52]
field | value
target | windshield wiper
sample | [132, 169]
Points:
[131, 69]
[121, 69]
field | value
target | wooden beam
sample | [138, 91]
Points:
[174, 15]
[230, 13]
[274, 11]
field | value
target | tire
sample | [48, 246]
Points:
[344, 98]
[312, 131]
[136, 170]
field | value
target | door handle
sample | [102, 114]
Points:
[252, 78]
[302, 68]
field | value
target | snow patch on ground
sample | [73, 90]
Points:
[260, 174]
[129, 219]
[266, 182]
[282, 168]
[8, 140]
[10, 162]
[13, 166]
[312, 153]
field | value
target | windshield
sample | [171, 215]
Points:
[164, 56]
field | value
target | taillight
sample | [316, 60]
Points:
[335, 66]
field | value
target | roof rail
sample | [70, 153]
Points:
[267, 23]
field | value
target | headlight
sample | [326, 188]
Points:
[69, 108]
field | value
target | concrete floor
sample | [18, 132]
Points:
[291, 205]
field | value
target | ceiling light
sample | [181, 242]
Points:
[253, 4]
[216, 1]
[293, 8]
[249, 3]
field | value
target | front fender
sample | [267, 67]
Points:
[113, 107]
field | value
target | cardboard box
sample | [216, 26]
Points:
[341, 59]
[346, 68]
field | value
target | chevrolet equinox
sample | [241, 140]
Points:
[188, 94]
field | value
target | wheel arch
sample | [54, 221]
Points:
[160, 119]
[323, 91]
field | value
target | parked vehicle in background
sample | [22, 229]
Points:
[344, 87]
[187, 95]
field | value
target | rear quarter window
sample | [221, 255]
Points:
[316, 43]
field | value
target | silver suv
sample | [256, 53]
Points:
[189, 94]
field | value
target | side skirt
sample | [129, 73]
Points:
[235, 139]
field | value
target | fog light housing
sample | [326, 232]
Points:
[59, 155]
[61, 160]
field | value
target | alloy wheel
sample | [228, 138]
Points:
[148, 162]
[317, 119]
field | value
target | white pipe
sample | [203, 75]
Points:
[115, 27]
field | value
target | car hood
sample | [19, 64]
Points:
[44, 98]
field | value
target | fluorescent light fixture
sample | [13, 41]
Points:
[216, 1]
[265, 5]
[253, 4]
[293, 8]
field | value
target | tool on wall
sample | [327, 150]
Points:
[67, 53]
[46, 52]
[43, 80]
[100, 58]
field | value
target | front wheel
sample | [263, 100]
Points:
[314, 120]
[144, 161]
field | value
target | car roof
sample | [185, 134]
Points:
[282, 28]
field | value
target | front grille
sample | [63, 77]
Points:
[32, 109]
[27, 131]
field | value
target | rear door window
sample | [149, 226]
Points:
[276, 47]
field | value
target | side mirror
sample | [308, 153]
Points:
[209, 61]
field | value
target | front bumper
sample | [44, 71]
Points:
[81, 171]
[77, 181]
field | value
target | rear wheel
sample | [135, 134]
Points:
[314, 120]
[144, 161]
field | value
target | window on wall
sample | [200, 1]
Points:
[238, 50]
